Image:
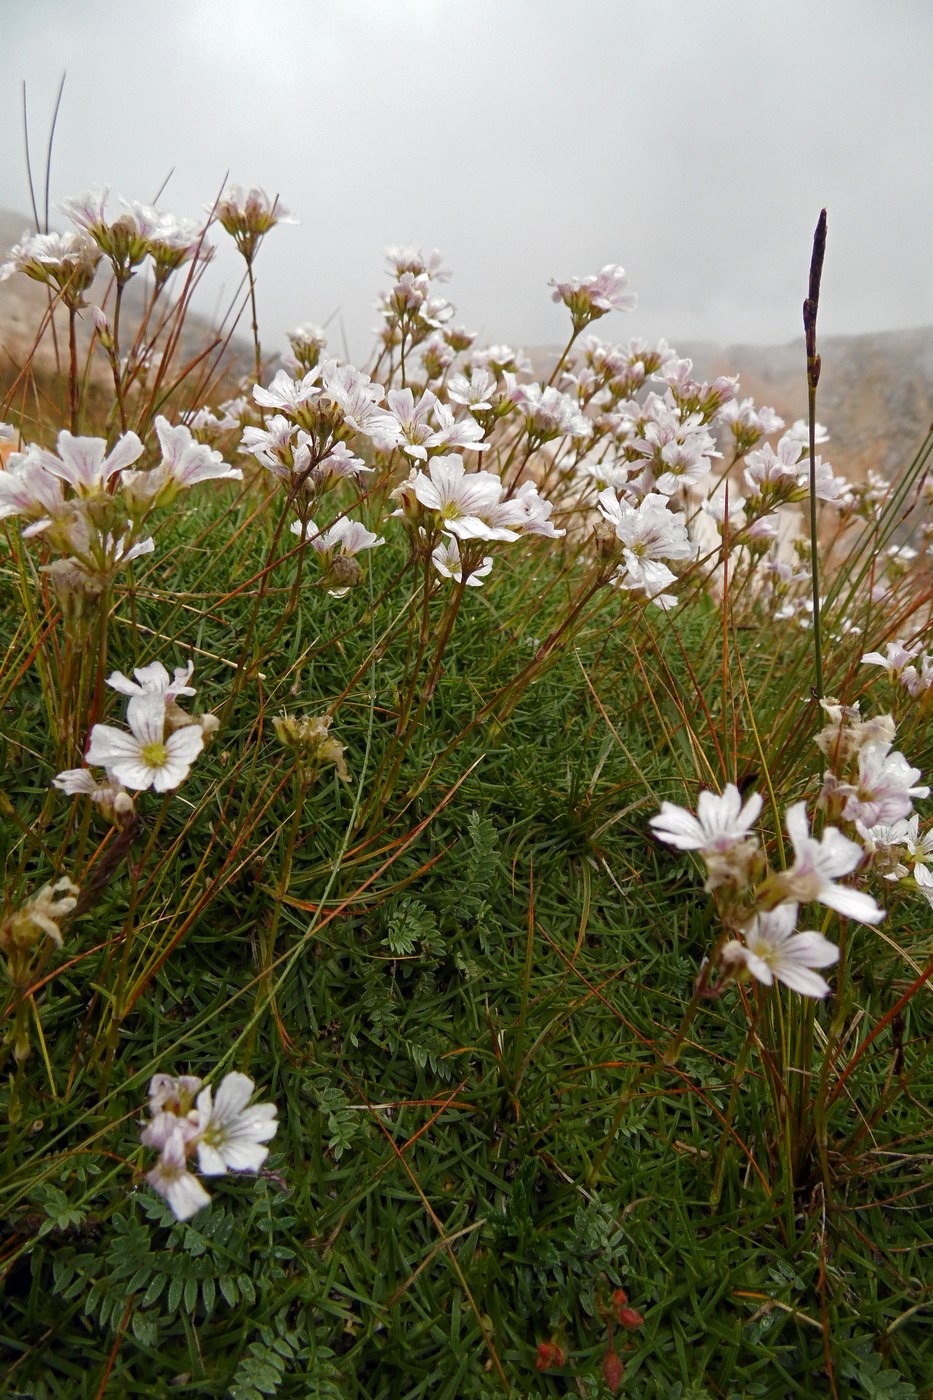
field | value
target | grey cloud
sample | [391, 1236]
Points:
[694, 143]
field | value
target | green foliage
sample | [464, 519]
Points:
[456, 975]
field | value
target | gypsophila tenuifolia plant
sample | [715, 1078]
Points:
[511, 850]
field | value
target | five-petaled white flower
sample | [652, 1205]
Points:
[772, 951]
[147, 757]
[720, 823]
[230, 1131]
[819, 864]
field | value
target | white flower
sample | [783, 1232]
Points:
[287, 394]
[345, 535]
[819, 864]
[924, 879]
[173, 1094]
[230, 1131]
[171, 1178]
[649, 533]
[446, 560]
[896, 656]
[147, 757]
[549, 413]
[188, 461]
[110, 796]
[463, 501]
[591, 297]
[155, 680]
[773, 951]
[884, 792]
[536, 512]
[82, 462]
[475, 392]
[721, 821]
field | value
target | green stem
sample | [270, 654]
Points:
[740, 1064]
[252, 303]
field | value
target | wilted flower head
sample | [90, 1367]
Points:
[21, 929]
[310, 741]
[248, 215]
[847, 733]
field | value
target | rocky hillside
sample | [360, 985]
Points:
[875, 393]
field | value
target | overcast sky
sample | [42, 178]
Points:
[692, 141]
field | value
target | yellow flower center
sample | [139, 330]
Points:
[154, 755]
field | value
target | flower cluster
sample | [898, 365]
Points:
[66, 262]
[588, 298]
[223, 1130]
[140, 232]
[765, 910]
[871, 785]
[90, 508]
[248, 215]
[162, 743]
[469, 508]
[412, 309]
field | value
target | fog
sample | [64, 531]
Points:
[694, 143]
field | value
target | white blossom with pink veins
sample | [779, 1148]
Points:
[721, 821]
[886, 787]
[535, 512]
[354, 393]
[188, 461]
[85, 464]
[286, 394]
[347, 536]
[896, 657]
[772, 951]
[819, 864]
[462, 500]
[649, 532]
[475, 392]
[28, 488]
